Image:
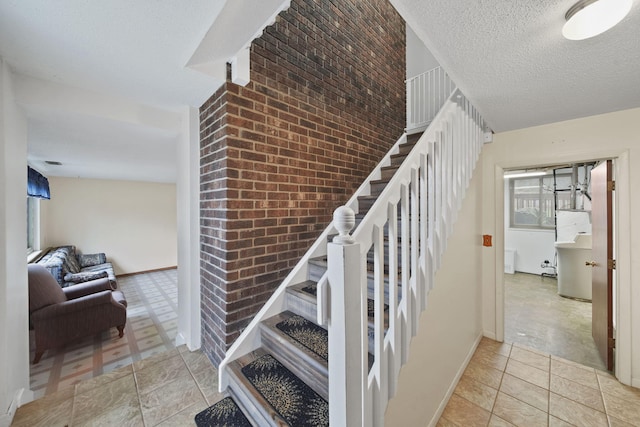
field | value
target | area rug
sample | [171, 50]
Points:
[292, 399]
[224, 413]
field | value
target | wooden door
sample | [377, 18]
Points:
[602, 262]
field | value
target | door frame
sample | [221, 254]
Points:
[622, 253]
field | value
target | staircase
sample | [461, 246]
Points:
[336, 332]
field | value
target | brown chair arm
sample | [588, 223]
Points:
[87, 288]
[74, 306]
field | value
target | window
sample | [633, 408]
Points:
[33, 214]
[532, 200]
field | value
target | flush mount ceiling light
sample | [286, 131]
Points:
[588, 18]
[524, 174]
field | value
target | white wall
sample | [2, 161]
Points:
[419, 58]
[532, 248]
[188, 208]
[133, 223]
[613, 135]
[451, 324]
[14, 295]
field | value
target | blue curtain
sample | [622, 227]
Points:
[37, 185]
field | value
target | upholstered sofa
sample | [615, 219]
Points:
[69, 267]
[60, 316]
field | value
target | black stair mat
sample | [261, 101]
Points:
[294, 401]
[224, 413]
[306, 333]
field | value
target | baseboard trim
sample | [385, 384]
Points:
[16, 402]
[454, 383]
[490, 335]
[147, 271]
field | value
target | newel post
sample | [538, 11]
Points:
[346, 325]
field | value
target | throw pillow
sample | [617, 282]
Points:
[85, 276]
[89, 260]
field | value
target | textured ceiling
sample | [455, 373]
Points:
[508, 57]
[134, 48]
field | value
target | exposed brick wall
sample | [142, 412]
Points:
[326, 101]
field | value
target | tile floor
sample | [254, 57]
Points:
[510, 385]
[166, 389]
[537, 317]
[503, 385]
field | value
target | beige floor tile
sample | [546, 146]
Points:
[535, 396]
[528, 373]
[518, 413]
[165, 402]
[489, 358]
[613, 387]
[196, 361]
[571, 372]
[557, 422]
[476, 392]
[103, 379]
[443, 422]
[158, 374]
[501, 348]
[464, 413]
[496, 421]
[207, 381]
[531, 349]
[572, 363]
[622, 409]
[614, 422]
[186, 416]
[484, 374]
[117, 393]
[51, 410]
[128, 415]
[575, 413]
[530, 358]
[582, 394]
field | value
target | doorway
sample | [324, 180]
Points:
[547, 222]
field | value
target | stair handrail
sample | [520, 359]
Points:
[430, 184]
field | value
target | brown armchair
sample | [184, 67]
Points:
[61, 315]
